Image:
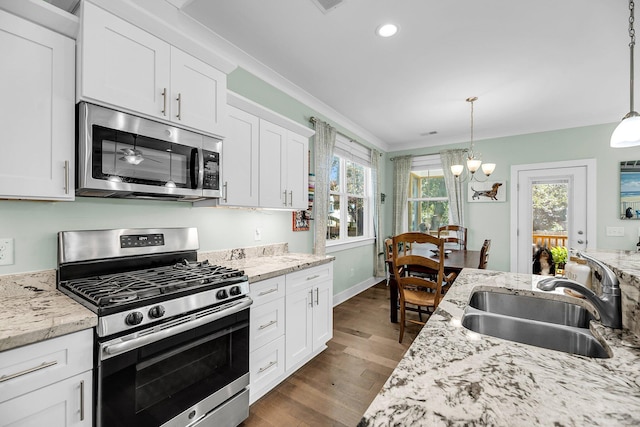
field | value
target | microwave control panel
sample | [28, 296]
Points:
[211, 179]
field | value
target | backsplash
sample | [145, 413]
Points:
[626, 266]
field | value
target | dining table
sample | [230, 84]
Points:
[454, 261]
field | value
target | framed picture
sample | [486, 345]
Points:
[300, 220]
[630, 189]
[488, 191]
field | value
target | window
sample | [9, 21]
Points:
[428, 200]
[350, 206]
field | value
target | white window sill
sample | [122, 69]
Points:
[342, 246]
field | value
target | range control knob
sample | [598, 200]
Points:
[156, 312]
[221, 294]
[235, 290]
[133, 318]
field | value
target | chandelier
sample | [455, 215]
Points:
[627, 133]
[473, 160]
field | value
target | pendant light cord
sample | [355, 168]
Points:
[632, 43]
[471, 100]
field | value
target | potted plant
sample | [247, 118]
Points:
[560, 256]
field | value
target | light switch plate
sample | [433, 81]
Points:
[6, 251]
[615, 231]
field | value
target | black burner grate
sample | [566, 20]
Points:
[114, 289]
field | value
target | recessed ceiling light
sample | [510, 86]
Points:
[387, 30]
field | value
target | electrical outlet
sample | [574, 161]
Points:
[615, 231]
[6, 251]
[258, 234]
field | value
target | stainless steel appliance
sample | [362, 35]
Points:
[172, 341]
[125, 156]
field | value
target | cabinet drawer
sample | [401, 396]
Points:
[267, 290]
[266, 367]
[37, 365]
[309, 277]
[267, 323]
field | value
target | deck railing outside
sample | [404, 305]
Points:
[549, 240]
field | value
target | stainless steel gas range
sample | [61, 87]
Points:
[172, 341]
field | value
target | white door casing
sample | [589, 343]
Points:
[580, 176]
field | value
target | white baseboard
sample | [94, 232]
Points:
[355, 290]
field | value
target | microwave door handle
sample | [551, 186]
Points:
[196, 175]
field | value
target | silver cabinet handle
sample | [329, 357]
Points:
[285, 197]
[261, 370]
[179, 99]
[310, 297]
[291, 198]
[164, 101]
[27, 371]
[266, 325]
[225, 187]
[82, 400]
[315, 276]
[268, 291]
[66, 177]
[317, 296]
[581, 241]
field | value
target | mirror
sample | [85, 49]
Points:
[630, 189]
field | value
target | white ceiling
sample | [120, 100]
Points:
[535, 66]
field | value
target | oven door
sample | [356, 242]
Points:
[181, 378]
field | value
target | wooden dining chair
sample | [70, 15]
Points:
[421, 290]
[484, 254]
[459, 235]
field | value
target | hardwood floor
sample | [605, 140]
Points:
[336, 387]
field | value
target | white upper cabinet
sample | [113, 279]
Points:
[284, 168]
[125, 67]
[240, 159]
[37, 83]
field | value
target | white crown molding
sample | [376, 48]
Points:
[260, 70]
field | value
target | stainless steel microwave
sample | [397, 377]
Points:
[125, 156]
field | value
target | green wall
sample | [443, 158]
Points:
[34, 225]
[492, 220]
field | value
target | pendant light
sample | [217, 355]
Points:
[627, 133]
[473, 160]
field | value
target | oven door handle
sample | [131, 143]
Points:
[119, 346]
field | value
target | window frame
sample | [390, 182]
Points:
[422, 164]
[367, 196]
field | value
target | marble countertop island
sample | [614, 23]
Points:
[34, 310]
[451, 376]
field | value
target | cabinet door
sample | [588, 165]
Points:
[299, 327]
[65, 403]
[322, 314]
[240, 159]
[123, 65]
[37, 84]
[198, 93]
[273, 173]
[297, 171]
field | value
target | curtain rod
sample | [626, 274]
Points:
[419, 155]
[313, 120]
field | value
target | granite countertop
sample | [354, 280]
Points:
[33, 310]
[453, 376]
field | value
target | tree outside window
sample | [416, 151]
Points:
[349, 200]
[428, 201]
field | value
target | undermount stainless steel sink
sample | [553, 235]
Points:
[545, 323]
[532, 308]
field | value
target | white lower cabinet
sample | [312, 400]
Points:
[49, 383]
[65, 403]
[291, 322]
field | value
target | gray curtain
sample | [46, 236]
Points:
[324, 141]
[379, 268]
[454, 186]
[401, 171]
